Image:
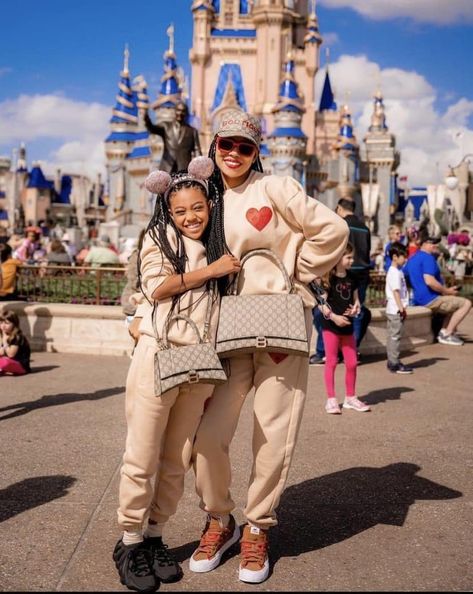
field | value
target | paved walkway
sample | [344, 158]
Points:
[380, 501]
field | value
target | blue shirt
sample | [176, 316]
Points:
[419, 264]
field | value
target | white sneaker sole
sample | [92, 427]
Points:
[346, 405]
[254, 577]
[205, 565]
[444, 341]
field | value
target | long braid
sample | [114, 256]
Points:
[216, 242]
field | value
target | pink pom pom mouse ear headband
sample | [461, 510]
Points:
[199, 170]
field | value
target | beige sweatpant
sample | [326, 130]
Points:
[280, 390]
[159, 441]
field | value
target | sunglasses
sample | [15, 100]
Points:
[246, 149]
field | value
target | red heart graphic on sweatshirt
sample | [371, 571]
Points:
[259, 218]
[277, 357]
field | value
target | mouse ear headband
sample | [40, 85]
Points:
[199, 170]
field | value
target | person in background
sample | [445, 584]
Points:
[29, 247]
[9, 272]
[429, 290]
[15, 350]
[360, 239]
[130, 305]
[342, 306]
[397, 299]
[394, 234]
[413, 246]
[102, 254]
[57, 254]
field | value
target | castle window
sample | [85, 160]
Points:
[244, 7]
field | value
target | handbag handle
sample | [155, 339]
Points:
[276, 259]
[191, 323]
[163, 342]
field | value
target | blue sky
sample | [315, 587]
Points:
[60, 64]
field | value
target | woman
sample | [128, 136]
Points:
[254, 210]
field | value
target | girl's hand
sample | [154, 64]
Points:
[340, 321]
[227, 264]
[353, 310]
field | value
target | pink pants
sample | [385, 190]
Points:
[8, 365]
[346, 343]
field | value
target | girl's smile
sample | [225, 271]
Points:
[189, 210]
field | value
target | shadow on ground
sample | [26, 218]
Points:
[32, 492]
[329, 509]
[56, 400]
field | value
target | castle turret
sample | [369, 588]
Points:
[140, 155]
[287, 142]
[381, 161]
[124, 118]
[312, 43]
[326, 122]
[119, 143]
[170, 92]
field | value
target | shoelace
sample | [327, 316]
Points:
[162, 555]
[210, 541]
[139, 562]
[254, 552]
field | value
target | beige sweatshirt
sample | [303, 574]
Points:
[268, 211]
[155, 268]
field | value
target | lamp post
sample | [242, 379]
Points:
[451, 180]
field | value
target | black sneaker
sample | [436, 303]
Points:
[165, 566]
[316, 360]
[134, 565]
[401, 369]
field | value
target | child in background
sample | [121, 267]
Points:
[174, 276]
[397, 299]
[337, 329]
[15, 350]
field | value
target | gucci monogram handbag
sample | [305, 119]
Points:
[275, 323]
[190, 364]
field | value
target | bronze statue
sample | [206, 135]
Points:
[181, 141]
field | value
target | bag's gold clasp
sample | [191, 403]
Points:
[193, 376]
[261, 342]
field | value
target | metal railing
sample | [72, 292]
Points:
[104, 285]
[71, 284]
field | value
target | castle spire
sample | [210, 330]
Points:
[141, 148]
[313, 33]
[378, 118]
[346, 139]
[289, 98]
[125, 110]
[170, 91]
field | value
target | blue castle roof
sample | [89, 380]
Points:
[37, 180]
[327, 101]
[125, 110]
[170, 92]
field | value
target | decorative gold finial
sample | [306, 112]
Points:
[312, 8]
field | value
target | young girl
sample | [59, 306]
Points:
[173, 273]
[255, 210]
[14, 346]
[337, 329]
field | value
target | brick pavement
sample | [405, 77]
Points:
[375, 502]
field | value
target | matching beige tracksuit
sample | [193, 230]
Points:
[271, 212]
[161, 429]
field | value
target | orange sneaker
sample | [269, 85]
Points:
[215, 540]
[254, 564]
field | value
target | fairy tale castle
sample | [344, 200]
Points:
[260, 56]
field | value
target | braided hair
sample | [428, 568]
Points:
[216, 243]
[157, 230]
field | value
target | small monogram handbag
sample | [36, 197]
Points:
[275, 323]
[190, 364]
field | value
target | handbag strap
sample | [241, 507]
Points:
[163, 342]
[270, 254]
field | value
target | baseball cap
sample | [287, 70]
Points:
[240, 123]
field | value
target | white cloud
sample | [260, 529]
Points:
[442, 12]
[428, 140]
[81, 127]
